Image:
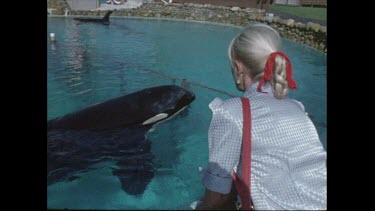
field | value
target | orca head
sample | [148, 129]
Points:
[145, 107]
[170, 101]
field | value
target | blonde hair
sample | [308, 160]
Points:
[252, 47]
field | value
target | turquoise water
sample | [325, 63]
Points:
[90, 63]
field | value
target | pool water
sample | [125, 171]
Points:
[90, 63]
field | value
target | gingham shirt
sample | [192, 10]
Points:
[288, 160]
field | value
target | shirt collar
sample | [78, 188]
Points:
[252, 90]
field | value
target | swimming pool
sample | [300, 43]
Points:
[90, 63]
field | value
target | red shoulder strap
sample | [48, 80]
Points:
[243, 186]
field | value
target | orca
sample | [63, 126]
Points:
[112, 133]
[104, 20]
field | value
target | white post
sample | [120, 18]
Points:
[52, 35]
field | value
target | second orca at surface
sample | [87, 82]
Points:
[104, 20]
[113, 131]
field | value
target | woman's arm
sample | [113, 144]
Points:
[224, 144]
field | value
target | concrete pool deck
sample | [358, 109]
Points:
[129, 4]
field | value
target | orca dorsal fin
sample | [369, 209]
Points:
[106, 16]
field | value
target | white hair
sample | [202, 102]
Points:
[252, 47]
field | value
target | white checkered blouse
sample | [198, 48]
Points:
[288, 159]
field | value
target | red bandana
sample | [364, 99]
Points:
[269, 68]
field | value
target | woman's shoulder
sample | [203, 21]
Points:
[232, 105]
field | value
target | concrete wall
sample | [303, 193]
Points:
[229, 3]
[57, 7]
[313, 3]
[287, 2]
[83, 4]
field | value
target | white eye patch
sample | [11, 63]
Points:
[155, 118]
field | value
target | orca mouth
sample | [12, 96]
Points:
[185, 100]
[156, 118]
[181, 105]
[162, 117]
[190, 96]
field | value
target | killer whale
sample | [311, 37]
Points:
[113, 131]
[104, 20]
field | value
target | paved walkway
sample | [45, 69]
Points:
[127, 5]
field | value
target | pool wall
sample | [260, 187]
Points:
[311, 34]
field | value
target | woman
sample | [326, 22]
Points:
[288, 162]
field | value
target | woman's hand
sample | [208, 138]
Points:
[214, 201]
